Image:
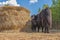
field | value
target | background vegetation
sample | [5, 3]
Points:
[55, 8]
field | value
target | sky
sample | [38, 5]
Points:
[32, 5]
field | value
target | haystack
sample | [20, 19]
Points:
[12, 17]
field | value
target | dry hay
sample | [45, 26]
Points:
[12, 17]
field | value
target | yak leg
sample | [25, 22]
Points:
[42, 29]
[33, 29]
[46, 29]
[38, 29]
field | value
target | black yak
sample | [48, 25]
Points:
[43, 20]
[34, 22]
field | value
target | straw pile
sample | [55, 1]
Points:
[12, 17]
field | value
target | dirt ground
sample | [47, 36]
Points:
[29, 36]
[16, 35]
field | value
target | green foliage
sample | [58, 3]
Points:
[54, 2]
[56, 10]
[45, 5]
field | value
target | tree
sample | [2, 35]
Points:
[54, 2]
[45, 5]
[55, 8]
